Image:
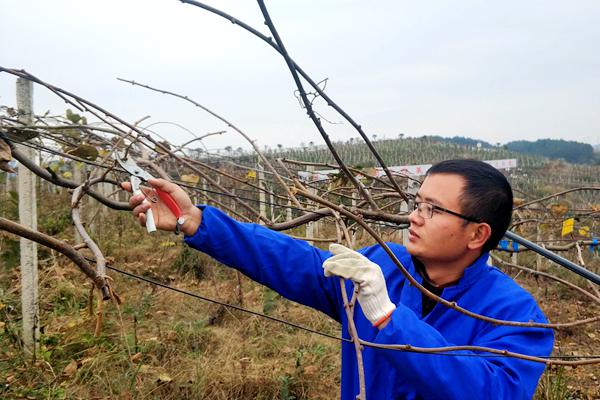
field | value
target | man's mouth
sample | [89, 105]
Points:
[412, 235]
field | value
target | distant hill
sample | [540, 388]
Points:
[569, 150]
[404, 151]
[433, 148]
[532, 168]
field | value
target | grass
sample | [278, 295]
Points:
[162, 345]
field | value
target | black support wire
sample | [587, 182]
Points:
[313, 331]
[233, 306]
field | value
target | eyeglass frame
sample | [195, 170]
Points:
[440, 208]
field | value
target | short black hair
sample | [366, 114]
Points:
[487, 196]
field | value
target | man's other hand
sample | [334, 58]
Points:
[372, 295]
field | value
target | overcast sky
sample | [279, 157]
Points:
[497, 71]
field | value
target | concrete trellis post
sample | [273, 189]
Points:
[204, 191]
[77, 177]
[233, 203]
[514, 257]
[288, 212]
[354, 234]
[310, 227]
[538, 257]
[262, 197]
[105, 189]
[28, 218]
[411, 188]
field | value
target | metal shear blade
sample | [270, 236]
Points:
[132, 168]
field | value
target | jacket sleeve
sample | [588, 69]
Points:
[289, 266]
[466, 374]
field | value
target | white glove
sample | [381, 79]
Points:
[372, 295]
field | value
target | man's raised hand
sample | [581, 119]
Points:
[163, 217]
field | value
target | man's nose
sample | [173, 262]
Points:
[414, 218]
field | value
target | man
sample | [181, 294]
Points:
[461, 211]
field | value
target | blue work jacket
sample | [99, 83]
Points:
[293, 268]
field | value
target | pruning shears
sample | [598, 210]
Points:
[139, 175]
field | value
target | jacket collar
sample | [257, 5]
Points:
[470, 275]
[473, 272]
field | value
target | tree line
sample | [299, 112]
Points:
[568, 150]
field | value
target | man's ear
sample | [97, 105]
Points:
[480, 233]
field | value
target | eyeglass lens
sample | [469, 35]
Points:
[424, 210]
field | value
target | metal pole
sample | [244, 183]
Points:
[589, 275]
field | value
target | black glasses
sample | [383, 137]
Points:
[425, 210]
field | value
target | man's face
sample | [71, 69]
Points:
[444, 237]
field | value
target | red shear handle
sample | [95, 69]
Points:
[168, 200]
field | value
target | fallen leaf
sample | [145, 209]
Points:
[559, 209]
[164, 378]
[145, 368]
[311, 370]
[136, 357]
[125, 396]
[71, 324]
[87, 360]
[70, 369]
[171, 335]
